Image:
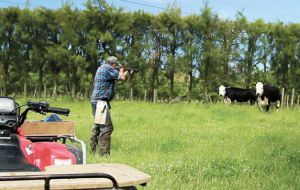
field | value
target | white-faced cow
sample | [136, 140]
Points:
[233, 94]
[268, 94]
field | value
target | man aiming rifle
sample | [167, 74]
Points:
[103, 92]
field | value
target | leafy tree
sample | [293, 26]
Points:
[9, 44]
[228, 32]
[255, 34]
[190, 34]
[209, 66]
[173, 30]
[73, 41]
[25, 34]
[283, 57]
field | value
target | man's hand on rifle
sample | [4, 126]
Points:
[123, 74]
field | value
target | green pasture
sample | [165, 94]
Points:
[196, 146]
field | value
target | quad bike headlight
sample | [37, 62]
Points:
[62, 162]
[6, 105]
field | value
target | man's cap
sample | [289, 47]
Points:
[113, 60]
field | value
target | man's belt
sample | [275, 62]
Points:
[104, 99]
[107, 101]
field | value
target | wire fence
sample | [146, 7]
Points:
[289, 100]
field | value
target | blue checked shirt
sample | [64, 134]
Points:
[104, 82]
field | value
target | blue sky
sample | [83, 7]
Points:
[286, 11]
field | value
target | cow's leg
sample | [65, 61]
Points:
[232, 101]
[259, 106]
[268, 106]
[277, 105]
[253, 101]
[259, 103]
[227, 100]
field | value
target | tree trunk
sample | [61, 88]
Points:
[86, 92]
[171, 85]
[145, 95]
[190, 86]
[131, 94]
[284, 72]
[54, 93]
[35, 91]
[25, 89]
[191, 76]
[155, 96]
[172, 67]
[249, 61]
[155, 67]
[206, 75]
[40, 80]
[73, 86]
[45, 91]
[153, 81]
[265, 71]
[227, 49]
[67, 90]
[4, 91]
[5, 79]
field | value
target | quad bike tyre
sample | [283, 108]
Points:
[77, 153]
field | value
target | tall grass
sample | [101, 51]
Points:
[196, 146]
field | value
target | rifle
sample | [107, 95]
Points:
[130, 70]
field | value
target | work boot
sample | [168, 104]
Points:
[94, 138]
[104, 139]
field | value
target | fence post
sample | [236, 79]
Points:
[287, 100]
[35, 91]
[45, 91]
[282, 97]
[145, 95]
[155, 96]
[131, 94]
[292, 98]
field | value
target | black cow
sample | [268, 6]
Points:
[268, 94]
[237, 94]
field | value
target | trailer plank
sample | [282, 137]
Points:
[125, 175]
[40, 128]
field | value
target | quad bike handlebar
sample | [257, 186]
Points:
[60, 111]
[41, 108]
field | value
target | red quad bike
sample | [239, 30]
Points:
[35, 155]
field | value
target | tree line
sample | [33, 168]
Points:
[56, 52]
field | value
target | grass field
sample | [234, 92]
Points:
[199, 146]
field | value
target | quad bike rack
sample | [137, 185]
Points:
[53, 131]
